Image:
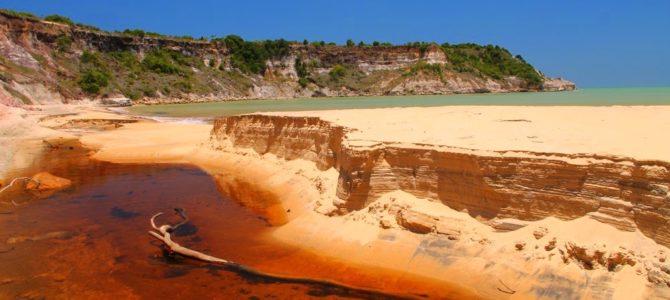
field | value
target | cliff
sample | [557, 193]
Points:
[491, 186]
[44, 62]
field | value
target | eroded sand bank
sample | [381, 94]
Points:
[481, 260]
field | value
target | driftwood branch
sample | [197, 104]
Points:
[162, 233]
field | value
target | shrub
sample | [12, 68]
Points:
[300, 68]
[92, 80]
[134, 32]
[375, 44]
[250, 56]
[422, 66]
[161, 61]
[303, 82]
[59, 19]
[88, 57]
[133, 95]
[277, 49]
[63, 43]
[151, 92]
[337, 72]
[183, 86]
[125, 58]
[361, 44]
[86, 26]
[249, 59]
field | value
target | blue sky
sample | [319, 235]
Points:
[595, 43]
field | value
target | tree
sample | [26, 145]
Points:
[375, 43]
[361, 44]
[350, 43]
[305, 42]
[233, 42]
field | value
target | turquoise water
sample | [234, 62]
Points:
[588, 97]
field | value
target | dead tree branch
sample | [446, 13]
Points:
[162, 233]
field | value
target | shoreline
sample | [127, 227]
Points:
[295, 185]
[158, 101]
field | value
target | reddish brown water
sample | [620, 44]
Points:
[91, 242]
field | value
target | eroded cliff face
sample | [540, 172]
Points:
[41, 62]
[489, 185]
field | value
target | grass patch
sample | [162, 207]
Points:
[19, 14]
[59, 19]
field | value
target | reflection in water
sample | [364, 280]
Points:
[90, 241]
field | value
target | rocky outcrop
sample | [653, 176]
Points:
[44, 181]
[41, 63]
[593, 257]
[557, 85]
[623, 192]
[370, 59]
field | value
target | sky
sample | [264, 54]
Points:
[595, 43]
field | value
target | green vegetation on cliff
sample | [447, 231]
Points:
[19, 14]
[422, 66]
[491, 61]
[162, 73]
[59, 19]
[250, 56]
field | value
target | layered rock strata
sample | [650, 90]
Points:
[490, 185]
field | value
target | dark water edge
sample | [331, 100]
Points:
[90, 241]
